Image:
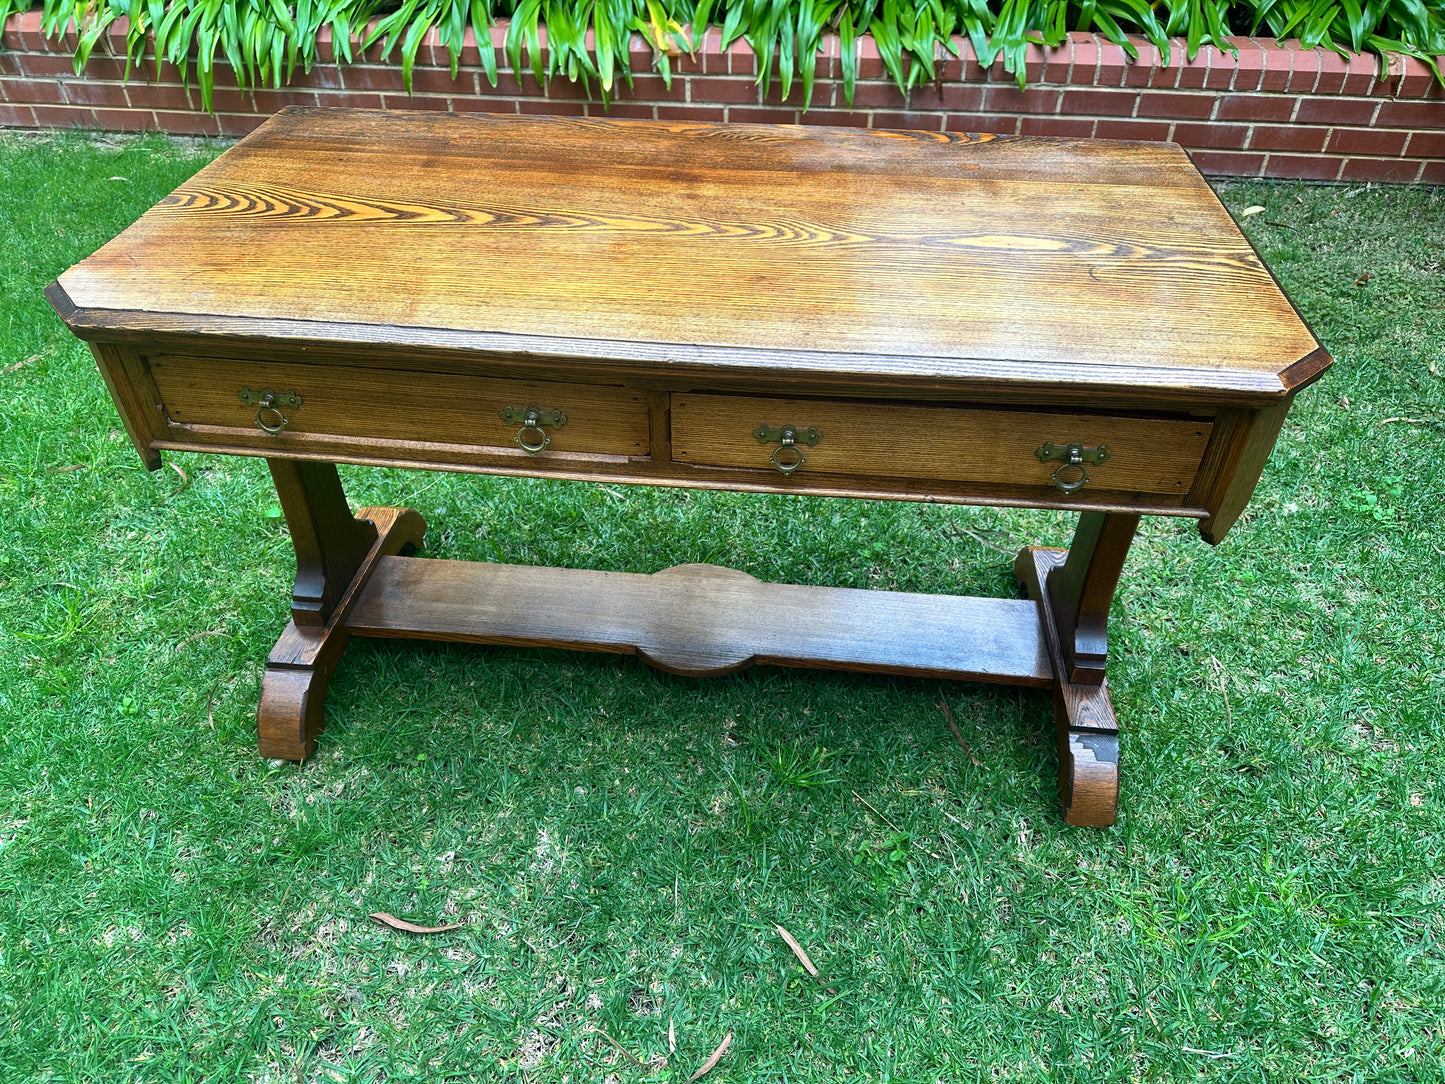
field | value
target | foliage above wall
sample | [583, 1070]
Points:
[265, 41]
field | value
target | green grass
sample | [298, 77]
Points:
[620, 842]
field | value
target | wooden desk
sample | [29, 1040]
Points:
[976, 320]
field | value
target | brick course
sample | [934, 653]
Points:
[1274, 109]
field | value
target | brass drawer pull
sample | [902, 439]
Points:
[268, 406]
[788, 438]
[1074, 457]
[531, 438]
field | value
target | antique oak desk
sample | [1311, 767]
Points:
[917, 316]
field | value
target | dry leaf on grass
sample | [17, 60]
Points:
[948, 714]
[384, 919]
[1255, 210]
[185, 478]
[713, 1059]
[797, 950]
[618, 1047]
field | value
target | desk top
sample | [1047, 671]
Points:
[901, 257]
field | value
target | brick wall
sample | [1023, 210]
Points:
[1275, 110]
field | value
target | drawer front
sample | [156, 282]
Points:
[954, 444]
[389, 405]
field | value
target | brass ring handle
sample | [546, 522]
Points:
[1068, 487]
[532, 419]
[535, 445]
[1073, 456]
[787, 466]
[268, 403]
[789, 437]
[268, 406]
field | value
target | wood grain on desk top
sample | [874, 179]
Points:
[916, 255]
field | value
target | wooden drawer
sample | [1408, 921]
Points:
[388, 406]
[953, 444]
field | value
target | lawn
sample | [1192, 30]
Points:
[619, 843]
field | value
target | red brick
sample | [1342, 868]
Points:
[85, 92]
[125, 120]
[345, 99]
[321, 76]
[701, 113]
[1175, 106]
[97, 67]
[1336, 111]
[1221, 69]
[625, 110]
[551, 108]
[1034, 60]
[649, 88]
[404, 102]
[370, 77]
[440, 81]
[729, 91]
[1288, 137]
[9, 65]
[1433, 173]
[880, 95]
[1213, 136]
[1193, 74]
[174, 96]
[487, 104]
[743, 61]
[1148, 70]
[1249, 65]
[955, 97]
[1411, 115]
[909, 122]
[1333, 68]
[949, 67]
[17, 116]
[1306, 70]
[1155, 131]
[1277, 60]
[1380, 142]
[188, 123]
[1419, 81]
[834, 118]
[747, 114]
[1360, 74]
[41, 64]
[979, 123]
[1013, 100]
[1056, 67]
[1302, 167]
[1265, 107]
[1227, 163]
[1392, 170]
[1068, 127]
[39, 91]
[715, 61]
[1106, 103]
[237, 125]
[64, 116]
[1113, 65]
[1085, 67]
[1426, 145]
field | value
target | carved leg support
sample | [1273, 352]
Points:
[335, 555]
[1074, 589]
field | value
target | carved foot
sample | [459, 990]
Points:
[1084, 720]
[293, 691]
[1088, 758]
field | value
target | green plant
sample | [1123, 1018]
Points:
[264, 41]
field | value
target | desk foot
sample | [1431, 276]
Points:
[293, 690]
[1084, 720]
